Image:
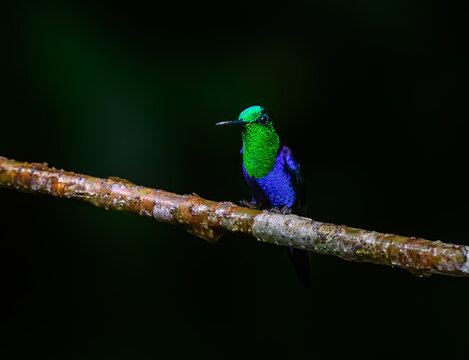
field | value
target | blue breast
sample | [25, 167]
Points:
[274, 189]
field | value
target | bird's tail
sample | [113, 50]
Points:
[300, 260]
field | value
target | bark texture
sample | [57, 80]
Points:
[210, 219]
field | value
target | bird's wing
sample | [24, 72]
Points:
[299, 258]
[293, 168]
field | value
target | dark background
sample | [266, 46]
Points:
[370, 95]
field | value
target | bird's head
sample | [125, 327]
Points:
[260, 140]
[254, 119]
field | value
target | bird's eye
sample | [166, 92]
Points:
[263, 120]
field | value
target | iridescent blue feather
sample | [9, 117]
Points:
[281, 187]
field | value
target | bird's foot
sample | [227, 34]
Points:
[285, 210]
[249, 204]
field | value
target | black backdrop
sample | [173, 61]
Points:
[371, 97]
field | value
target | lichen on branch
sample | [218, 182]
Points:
[210, 219]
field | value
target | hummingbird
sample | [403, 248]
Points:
[272, 174]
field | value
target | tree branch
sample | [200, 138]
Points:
[210, 219]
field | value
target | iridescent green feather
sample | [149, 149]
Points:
[260, 144]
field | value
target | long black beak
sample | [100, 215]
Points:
[234, 122]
